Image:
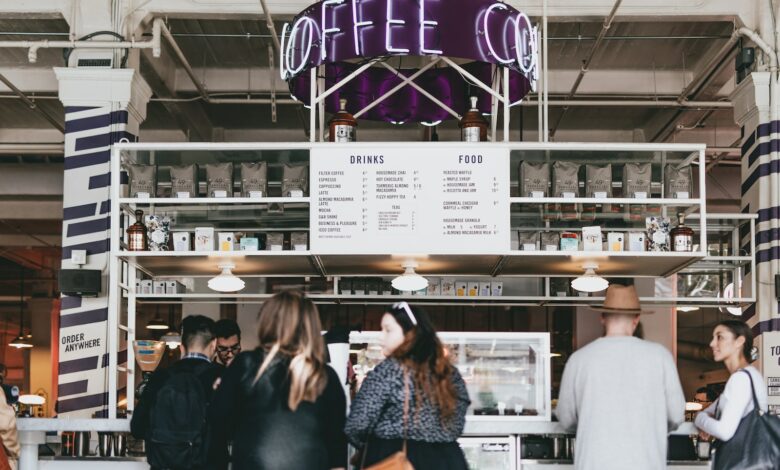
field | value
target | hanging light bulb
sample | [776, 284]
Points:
[22, 341]
[226, 281]
[157, 323]
[409, 281]
[172, 339]
[687, 308]
[590, 281]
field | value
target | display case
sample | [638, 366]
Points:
[507, 374]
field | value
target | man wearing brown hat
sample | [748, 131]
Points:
[620, 394]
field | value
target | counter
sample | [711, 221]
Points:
[32, 432]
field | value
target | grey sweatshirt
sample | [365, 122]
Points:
[622, 396]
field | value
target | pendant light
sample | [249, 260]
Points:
[22, 341]
[590, 281]
[409, 281]
[157, 323]
[172, 338]
[226, 281]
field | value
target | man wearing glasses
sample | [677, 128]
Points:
[228, 341]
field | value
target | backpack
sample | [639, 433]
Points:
[178, 436]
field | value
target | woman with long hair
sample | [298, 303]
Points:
[417, 376]
[282, 404]
[732, 344]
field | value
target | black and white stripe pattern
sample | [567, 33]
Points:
[89, 134]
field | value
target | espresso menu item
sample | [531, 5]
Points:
[295, 180]
[534, 179]
[219, 179]
[143, 180]
[254, 179]
[184, 181]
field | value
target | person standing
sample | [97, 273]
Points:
[228, 341]
[282, 405]
[621, 394]
[732, 344]
[171, 415]
[8, 434]
[414, 397]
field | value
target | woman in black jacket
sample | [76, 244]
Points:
[437, 403]
[282, 405]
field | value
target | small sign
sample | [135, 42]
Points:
[495, 447]
[774, 410]
[773, 381]
[773, 391]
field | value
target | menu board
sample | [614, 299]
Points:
[373, 200]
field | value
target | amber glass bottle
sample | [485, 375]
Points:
[473, 126]
[343, 125]
[682, 235]
[136, 233]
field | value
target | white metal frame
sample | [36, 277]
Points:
[123, 266]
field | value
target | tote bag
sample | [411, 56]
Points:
[755, 445]
[397, 461]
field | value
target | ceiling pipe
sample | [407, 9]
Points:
[32, 149]
[54, 122]
[586, 63]
[33, 46]
[638, 103]
[184, 63]
[271, 27]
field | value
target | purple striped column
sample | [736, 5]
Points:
[101, 108]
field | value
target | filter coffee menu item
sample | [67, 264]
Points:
[372, 200]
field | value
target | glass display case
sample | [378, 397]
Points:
[507, 374]
[489, 453]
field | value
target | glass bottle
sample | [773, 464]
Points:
[473, 126]
[682, 235]
[136, 233]
[343, 125]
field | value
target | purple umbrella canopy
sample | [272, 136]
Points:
[484, 31]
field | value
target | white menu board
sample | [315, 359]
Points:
[369, 200]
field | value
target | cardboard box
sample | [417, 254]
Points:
[636, 241]
[615, 241]
[174, 287]
[447, 286]
[227, 241]
[158, 287]
[497, 288]
[461, 288]
[473, 289]
[204, 239]
[484, 289]
[250, 244]
[591, 238]
[434, 286]
[146, 287]
[181, 241]
[570, 243]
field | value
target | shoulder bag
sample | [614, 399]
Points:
[755, 445]
[397, 461]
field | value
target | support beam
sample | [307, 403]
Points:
[190, 116]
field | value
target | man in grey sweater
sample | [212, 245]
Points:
[620, 394]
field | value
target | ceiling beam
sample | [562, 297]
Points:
[191, 116]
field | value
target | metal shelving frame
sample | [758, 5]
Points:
[124, 267]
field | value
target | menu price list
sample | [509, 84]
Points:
[399, 200]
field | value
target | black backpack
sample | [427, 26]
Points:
[178, 435]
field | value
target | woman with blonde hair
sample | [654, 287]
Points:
[282, 404]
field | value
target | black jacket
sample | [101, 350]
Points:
[266, 433]
[208, 373]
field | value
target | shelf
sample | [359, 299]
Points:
[195, 263]
[608, 200]
[213, 200]
[616, 263]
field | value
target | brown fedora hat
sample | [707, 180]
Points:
[620, 299]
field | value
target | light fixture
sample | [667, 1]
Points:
[687, 308]
[409, 281]
[157, 323]
[226, 281]
[693, 406]
[172, 339]
[728, 295]
[32, 400]
[590, 281]
[22, 341]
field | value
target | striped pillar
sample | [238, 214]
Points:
[761, 195]
[101, 108]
